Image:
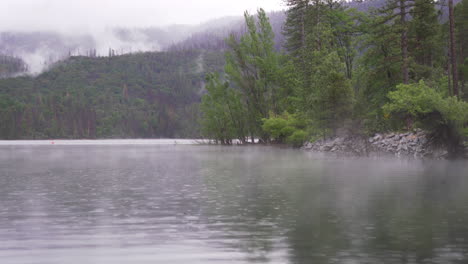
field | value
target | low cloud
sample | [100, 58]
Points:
[73, 16]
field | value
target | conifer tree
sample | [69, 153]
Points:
[253, 66]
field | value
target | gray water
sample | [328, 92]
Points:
[175, 203]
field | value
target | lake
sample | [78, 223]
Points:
[159, 201]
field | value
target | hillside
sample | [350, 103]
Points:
[11, 66]
[140, 96]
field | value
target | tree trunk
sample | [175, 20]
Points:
[404, 43]
[453, 54]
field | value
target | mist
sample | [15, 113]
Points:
[87, 15]
[42, 32]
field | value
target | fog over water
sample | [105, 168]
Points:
[168, 203]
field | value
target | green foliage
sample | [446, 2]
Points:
[253, 66]
[286, 128]
[320, 43]
[223, 114]
[413, 99]
[297, 138]
[444, 117]
[329, 97]
[425, 45]
[277, 128]
[420, 101]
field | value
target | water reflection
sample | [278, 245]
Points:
[202, 204]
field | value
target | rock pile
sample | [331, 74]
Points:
[416, 144]
[351, 145]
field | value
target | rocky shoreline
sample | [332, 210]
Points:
[410, 144]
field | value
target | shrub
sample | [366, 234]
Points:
[297, 138]
[286, 128]
[419, 102]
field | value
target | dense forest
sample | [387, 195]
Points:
[10, 66]
[139, 96]
[321, 69]
[396, 67]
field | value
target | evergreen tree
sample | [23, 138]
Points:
[424, 45]
[253, 66]
[453, 49]
[321, 46]
[461, 26]
[223, 114]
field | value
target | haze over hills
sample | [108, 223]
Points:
[40, 49]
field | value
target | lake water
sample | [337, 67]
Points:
[165, 202]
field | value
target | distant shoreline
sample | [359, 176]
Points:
[99, 142]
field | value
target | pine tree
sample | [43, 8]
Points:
[223, 114]
[424, 31]
[253, 66]
[452, 48]
[320, 42]
[461, 27]
[396, 13]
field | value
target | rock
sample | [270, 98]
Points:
[327, 147]
[400, 144]
[308, 146]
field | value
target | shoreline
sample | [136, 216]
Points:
[417, 144]
[99, 142]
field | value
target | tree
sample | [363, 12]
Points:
[461, 30]
[320, 43]
[223, 114]
[253, 66]
[424, 45]
[453, 53]
[304, 30]
[396, 12]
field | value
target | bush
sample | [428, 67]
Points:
[297, 138]
[413, 100]
[276, 127]
[419, 102]
[286, 128]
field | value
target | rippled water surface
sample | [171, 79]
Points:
[148, 202]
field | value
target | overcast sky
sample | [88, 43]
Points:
[66, 15]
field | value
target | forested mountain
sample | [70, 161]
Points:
[139, 96]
